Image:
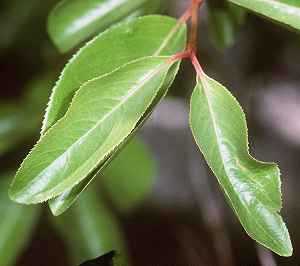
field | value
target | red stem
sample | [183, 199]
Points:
[191, 49]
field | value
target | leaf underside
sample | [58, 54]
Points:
[286, 12]
[251, 187]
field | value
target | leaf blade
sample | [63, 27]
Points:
[97, 121]
[65, 200]
[72, 21]
[252, 187]
[138, 38]
[285, 11]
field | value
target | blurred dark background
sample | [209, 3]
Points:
[186, 220]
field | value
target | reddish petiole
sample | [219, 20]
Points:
[191, 48]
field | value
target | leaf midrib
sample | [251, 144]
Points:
[46, 125]
[134, 91]
[205, 89]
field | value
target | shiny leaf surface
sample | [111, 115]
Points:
[102, 114]
[73, 21]
[64, 201]
[146, 36]
[251, 187]
[284, 11]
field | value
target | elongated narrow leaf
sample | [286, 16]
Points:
[16, 225]
[252, 187]
[146, 36]
[91, 230]
[283, 11]
[73, 21]
[64, 201]
[103, 113]
[129, 179]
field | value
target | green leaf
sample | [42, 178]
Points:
[65, 200]
[127, 182]
[69, 196]
[102, 114]
[146, 36]
[251, 187]
[284, 11]
[16, 225]
[90, 229]
[73, 21]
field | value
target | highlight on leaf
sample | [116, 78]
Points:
[66, 199]
[73, 21]
[252, 187]
[145, 36]
[286, 12]
[102, 114]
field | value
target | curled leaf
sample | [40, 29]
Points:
[102, 114]
[251, 187]
[286, 12]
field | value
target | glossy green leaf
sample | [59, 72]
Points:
[283, 11]
[91, 230]
[251, 187]
[146, 36]
[102, 114]
[73, 21]
[16, 226]
[65, 200]
[69, 196]
[129, 179]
